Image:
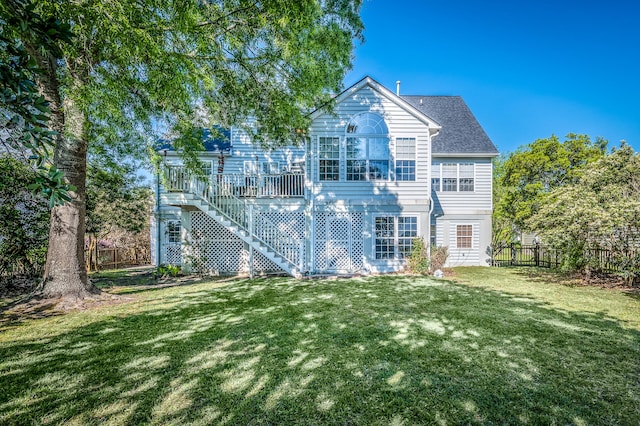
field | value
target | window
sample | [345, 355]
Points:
[407, 231]
[435, 177]
[453, 177]
[253, 168]
[385, 234]
[367, 123]
[329, 158]
[270, 167]
[207, 168]
[173, 231]
[367, 153]
[466, 176]
[367, 158]
[449, 177]
[405, 159]
[464, 236]
[394, 236]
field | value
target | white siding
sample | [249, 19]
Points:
[478, 201]
[243, 149]
[400, 123]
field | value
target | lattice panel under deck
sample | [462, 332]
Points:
[217, 250]
[339, 243]
[289, 223]
[172, 254]
[214, 248]
[262, 265]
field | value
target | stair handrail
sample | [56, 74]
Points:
[220, 196]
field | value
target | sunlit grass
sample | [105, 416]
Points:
[489, 346]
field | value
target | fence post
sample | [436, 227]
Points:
[536, 254]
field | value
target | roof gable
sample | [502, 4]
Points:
[383, 91]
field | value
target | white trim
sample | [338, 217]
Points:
[396, 237]
[438, 167]
[370, 82]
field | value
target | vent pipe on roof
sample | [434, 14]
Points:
[398, 88]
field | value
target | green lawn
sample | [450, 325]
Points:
[488, 346]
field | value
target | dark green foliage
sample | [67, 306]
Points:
[167, 271]
[115, 199]
[24, 112]
[600, 210]
[419, 257]
[24, 220]
[527, 176]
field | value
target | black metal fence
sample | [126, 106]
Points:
[598, 259]
[525, 255]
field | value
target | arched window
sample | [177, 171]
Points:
[367, 152]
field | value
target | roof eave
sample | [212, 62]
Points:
[368, 81]
[465, 154]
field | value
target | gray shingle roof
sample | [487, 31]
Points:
[461, 133]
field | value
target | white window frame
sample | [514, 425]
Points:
[332, 159]
[171, 233]
[459, 236]
[368, 159]
[255, 167]
[407, 156]
[437, 172]
[397, 254]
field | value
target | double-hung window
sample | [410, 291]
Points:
[394, 236]
[405, 159]
[464, 236]
[449, 177]
[329, 158]
[466, 174]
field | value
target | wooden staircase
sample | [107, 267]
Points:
[218, 200]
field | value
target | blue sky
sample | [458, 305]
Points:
[527, 69]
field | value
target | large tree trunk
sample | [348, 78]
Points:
[65, 273]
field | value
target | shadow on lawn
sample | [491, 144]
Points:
[364, 351]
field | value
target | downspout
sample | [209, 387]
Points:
[432, 204]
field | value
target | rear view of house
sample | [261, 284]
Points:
[375, 173]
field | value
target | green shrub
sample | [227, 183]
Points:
[168, 271]
[419, 257]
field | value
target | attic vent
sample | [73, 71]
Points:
[420, 101]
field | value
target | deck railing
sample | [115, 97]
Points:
[286, 185]
[223, 196]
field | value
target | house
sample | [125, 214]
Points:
[378, 171]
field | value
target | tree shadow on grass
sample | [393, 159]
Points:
[363, 351]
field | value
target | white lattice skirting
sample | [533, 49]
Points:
[216, 250]
[338, 245]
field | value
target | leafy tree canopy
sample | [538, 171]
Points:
[24, 112]
[527, 176]
[601, 209]
[133, 67]
[24, 219]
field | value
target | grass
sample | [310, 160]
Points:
[489, 346]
